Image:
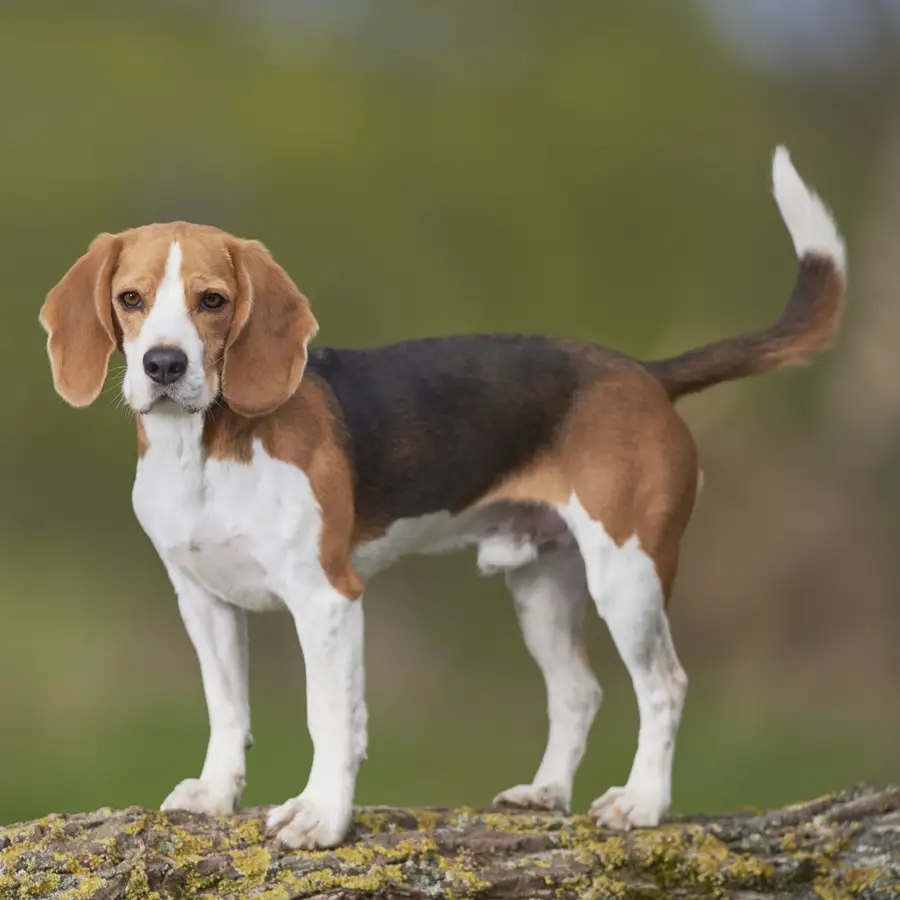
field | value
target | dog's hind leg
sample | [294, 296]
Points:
[629, 596]
[550, 597]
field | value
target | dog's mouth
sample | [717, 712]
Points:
[166, 401]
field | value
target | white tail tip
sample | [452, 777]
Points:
[808, 220]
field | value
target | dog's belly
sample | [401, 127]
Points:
[248, 533]
[509, 535]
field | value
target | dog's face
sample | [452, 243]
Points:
[198, 314]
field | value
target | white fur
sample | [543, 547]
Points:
[237, 536]
[330, 628]
[550, 597]
[442, 532]
[168, 324]
[501, 552]
[626, 590]
[808, 220]
[435, 533]
[219, 634]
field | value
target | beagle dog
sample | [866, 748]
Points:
[272, 476]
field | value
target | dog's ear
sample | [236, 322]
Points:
[77, 316]
[265, 353]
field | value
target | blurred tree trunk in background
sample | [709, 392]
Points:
[864, 395]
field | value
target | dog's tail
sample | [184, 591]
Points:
[812, 317]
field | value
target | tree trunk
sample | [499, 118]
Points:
[844, 845]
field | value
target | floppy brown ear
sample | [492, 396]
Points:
[77, 316]
[265, 354]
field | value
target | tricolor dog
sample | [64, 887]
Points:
[273, 476]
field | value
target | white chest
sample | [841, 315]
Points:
[247, 531]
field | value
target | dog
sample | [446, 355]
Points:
[272, 476]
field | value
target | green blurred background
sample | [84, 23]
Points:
[591, 170]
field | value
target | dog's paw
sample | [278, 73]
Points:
[624, 808]
[529, 796]
[306, 823]
[199, 796]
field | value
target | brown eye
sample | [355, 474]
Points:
[211, 300]
[131, 300]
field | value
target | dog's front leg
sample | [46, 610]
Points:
[330, 628]
[219, 634]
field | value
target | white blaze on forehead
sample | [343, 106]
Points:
[171, 284]
[168, 322]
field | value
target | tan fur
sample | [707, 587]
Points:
[628, 456]
[266, 348]
[261, 332]
[808, 325]
[205, 267]
[249, 352]
[621, 449]
[78, 321]
[543, 481]
[300, 432]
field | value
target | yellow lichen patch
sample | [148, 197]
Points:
[594, 887]
[365, 854]
[394, 874]
[181, 845]
[9, 858]
[747, 870]
[672, 855]
[831, 892]
[611, 852]
[602, 886]
[34, 885]
[253, 864]
[86, 889]
[857, 880]
[427, 819]
[691, 854]
[75, 863]
[132, 828]
[357, 855]
[373, 822]
[789, 842]
[375, 879]
[841, 884]
[138, 887]
[461, 875]
[419, 846]
[243, 832]
[278, 892]
[514, 824]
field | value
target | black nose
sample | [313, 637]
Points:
[165, 365]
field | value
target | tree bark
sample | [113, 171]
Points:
[839, 846]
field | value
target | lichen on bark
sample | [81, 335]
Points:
[840, 846]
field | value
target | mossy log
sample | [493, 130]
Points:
[842, 845]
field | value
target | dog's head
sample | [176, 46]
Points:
[198, 314]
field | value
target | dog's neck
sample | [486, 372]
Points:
[171, 430]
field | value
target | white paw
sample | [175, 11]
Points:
[530, 796]
[623, 808]
[305, 823]
[212, 798]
